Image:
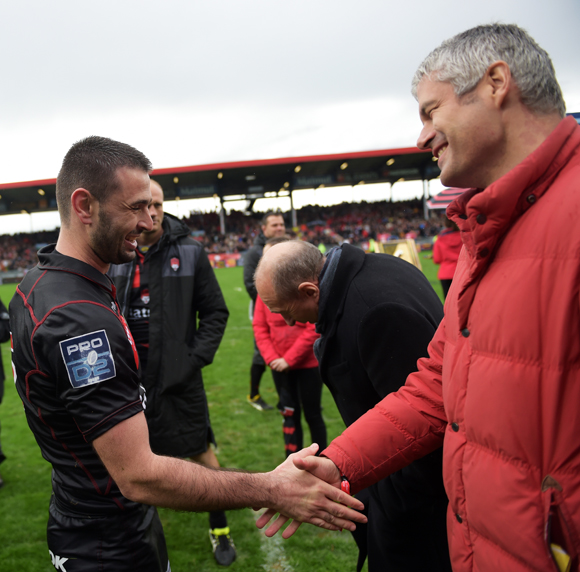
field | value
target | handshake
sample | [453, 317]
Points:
[308, 490]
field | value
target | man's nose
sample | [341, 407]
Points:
[426, 137]
[146, 222]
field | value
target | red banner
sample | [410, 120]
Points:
[225, 260]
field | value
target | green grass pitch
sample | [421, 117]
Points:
[247, 439]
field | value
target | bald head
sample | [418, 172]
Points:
[287, 280]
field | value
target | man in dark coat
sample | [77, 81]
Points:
[376, 315]
[162, 292]
[272, 226]
[4, 337]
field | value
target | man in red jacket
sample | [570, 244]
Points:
[501, 385]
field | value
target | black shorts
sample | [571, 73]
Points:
[124, 542]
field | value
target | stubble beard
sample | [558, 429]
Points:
[104, 243]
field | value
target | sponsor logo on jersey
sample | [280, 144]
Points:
[88, 359]
[145, 296]
[139, 313]
[58, 561]
[174, 264]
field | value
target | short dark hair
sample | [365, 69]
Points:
[277, 240]
[265, 218]
[92, 164]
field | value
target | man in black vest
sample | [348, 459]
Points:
[376, 315]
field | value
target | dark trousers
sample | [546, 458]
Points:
[124, 542]
[445, 285]
[300, 389]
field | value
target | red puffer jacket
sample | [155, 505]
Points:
[276, 339]
[502, 383]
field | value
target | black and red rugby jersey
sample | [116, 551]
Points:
[77, 372]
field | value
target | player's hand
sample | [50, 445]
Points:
[279, 364]
[300, 496]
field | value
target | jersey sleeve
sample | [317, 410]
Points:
[91, 357]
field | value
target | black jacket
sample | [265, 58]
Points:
[379, 315]
[251, 260]
[180, 295]
[4, 337]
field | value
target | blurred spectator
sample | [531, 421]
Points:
[446, 251]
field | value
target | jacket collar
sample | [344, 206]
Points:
[173, 228]
[334, 291]
[509, 197]
[484, 216]
[50, 259]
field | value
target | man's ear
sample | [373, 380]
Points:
[83, 205]
[309, 289]
[498, 78]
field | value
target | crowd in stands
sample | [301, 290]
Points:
[352, 222]
[18, 251]
[356, 223]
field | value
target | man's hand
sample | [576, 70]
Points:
[303, 497]
[279, 364]
[320, 467]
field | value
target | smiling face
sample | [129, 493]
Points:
[122, 218]
[150, 237]
[274, 226]
[464, 133]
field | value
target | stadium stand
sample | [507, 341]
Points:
[357, 223]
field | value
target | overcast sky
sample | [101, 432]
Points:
[190, 82]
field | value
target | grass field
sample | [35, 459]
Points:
[247, 439]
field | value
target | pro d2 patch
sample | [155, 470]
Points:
[88, 358]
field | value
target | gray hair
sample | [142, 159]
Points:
[302, 264]
[464, 59]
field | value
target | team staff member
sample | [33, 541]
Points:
[501, 385]
[76, 371]
[163, 292]
[272, 227]
[4, 337]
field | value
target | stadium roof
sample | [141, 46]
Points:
[253, 179]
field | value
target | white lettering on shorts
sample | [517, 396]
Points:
[88, 359]
[57, 561]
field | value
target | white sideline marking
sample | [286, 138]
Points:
[273, 551]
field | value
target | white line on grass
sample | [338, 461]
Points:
[274, 554]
